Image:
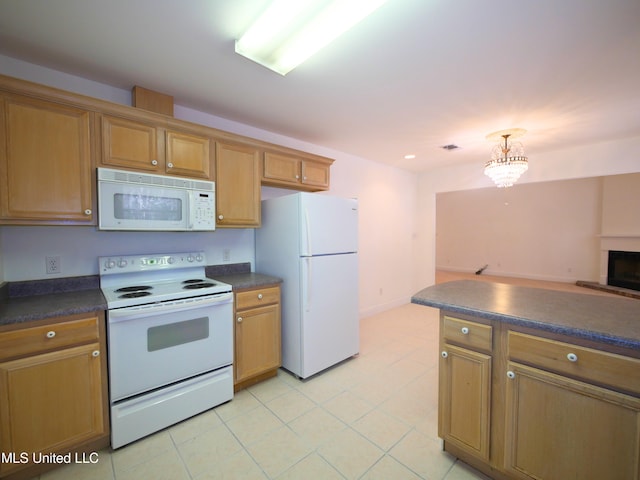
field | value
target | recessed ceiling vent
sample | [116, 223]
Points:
[451, 146]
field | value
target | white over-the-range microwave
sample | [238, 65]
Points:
[142, 201]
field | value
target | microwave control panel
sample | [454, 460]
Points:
[203, 210]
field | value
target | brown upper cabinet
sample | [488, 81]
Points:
[295, 171]
[145, 146]
[46, 163]
[52, 140]
[237, 186]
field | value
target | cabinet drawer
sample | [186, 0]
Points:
[585, 363]
[47, 337]
[257, 297]
[470, 334]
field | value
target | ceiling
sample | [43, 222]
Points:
[414, 76]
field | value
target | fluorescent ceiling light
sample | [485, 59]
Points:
[290, 31]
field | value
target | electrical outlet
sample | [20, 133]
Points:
[226, 255]
[53, 264]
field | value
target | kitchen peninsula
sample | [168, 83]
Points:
[537, 383]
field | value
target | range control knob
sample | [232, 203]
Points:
[109, 264]
[190, 258]
[171, 260]
[122, 263]
[199, 257]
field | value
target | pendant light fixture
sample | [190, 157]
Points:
[508, 160]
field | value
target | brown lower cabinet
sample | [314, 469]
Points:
[257, 335]
[53, 393]
[518, 404]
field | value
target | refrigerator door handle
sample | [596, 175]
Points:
[308, 285]
[307, 229]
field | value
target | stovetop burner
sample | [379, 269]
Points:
[193, 280]
[193, 286]
[134, 288]
[135, 294]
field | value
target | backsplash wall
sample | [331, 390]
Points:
[23, 249]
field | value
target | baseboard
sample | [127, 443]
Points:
[383, 307]
[528, 276]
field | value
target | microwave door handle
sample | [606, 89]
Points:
[190, 210]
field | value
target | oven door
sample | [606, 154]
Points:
[157, 344]
[123, 206]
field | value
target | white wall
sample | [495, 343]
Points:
[621, 205]
[544, 231]
[387, 198]
[607, 158]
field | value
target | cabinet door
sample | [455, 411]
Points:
[315, 174]
[237, 186]
[130, 144]
[257, 335]
[559, 428]
[464, 399]
[45, 162]
[188, 155]
[50, 402]
[281, 168]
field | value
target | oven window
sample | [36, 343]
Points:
[166, 336]
[146, 207]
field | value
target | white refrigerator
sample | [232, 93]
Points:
[311, 242]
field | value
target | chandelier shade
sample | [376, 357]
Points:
[508, 160]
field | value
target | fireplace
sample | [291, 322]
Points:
[624, 269]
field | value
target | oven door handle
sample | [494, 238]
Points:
[141, 311]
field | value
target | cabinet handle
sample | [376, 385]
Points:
[259, 296]
[220, 217]
[169, 165]
[239, 319]
[154, 162]
[444, 354]
[297, 177]
[51, 334]
[95, 353]
[572, 357]
[87, 211]
[511, 375]
[465, 330]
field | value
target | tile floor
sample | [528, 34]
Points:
[371, 417]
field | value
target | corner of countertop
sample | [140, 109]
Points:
[213, 271]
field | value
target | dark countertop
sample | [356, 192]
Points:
[27, 308]
[611, 320]
[34, 300]
[239, 276]
[240, 281]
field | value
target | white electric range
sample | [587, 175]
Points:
[170, 341]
